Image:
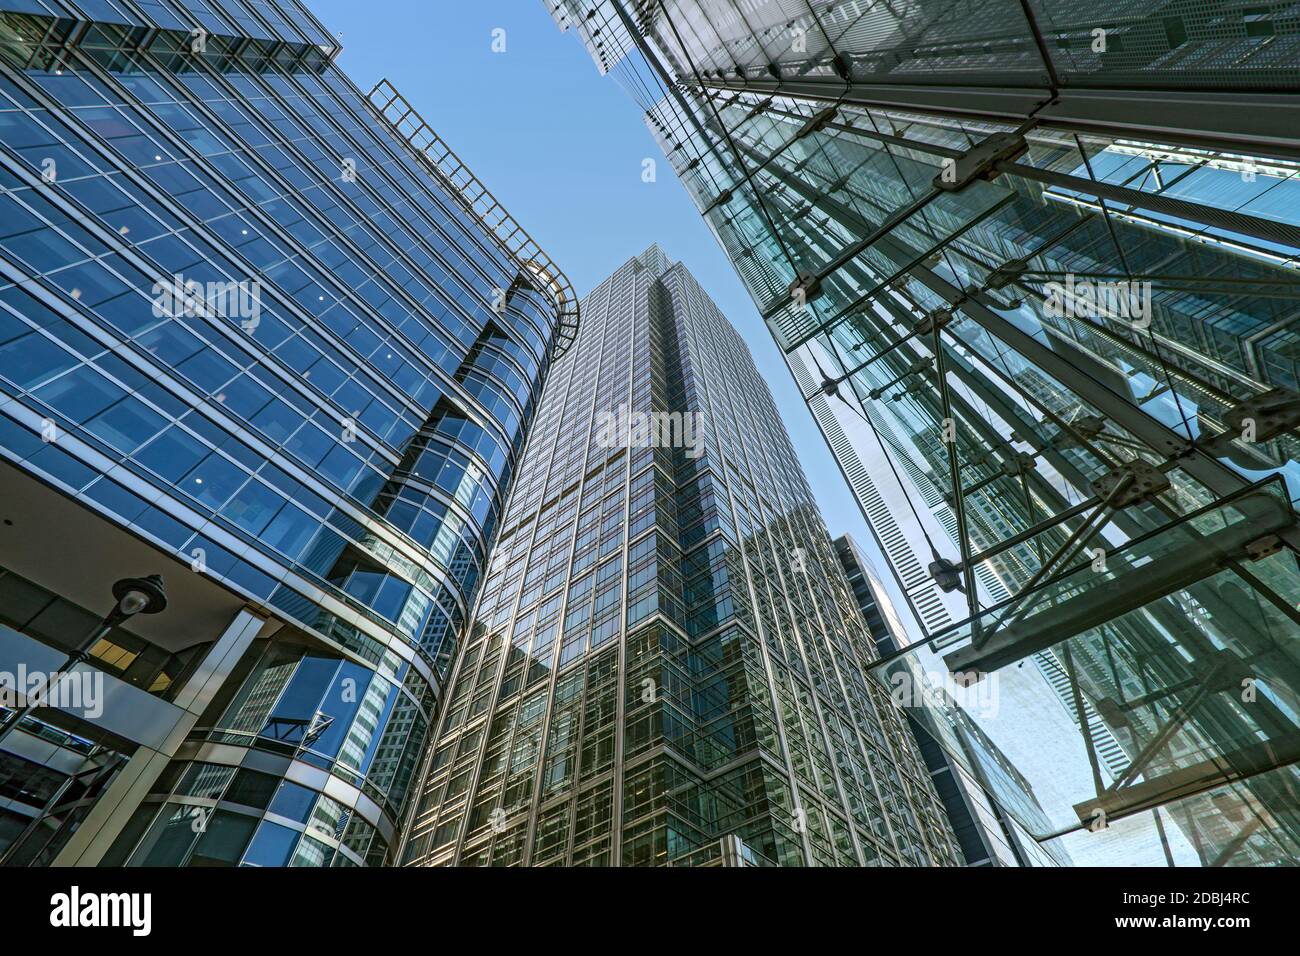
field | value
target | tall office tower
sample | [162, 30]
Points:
[1033, 267]
[665, 665]
[974, 790]
[265, 335]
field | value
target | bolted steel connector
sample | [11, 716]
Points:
[979, 161]
[817, 122]
[933, 320]
[1005, 274]
[805, 287]
[946, 574]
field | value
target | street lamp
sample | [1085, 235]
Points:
[134, 596]
[137, 596]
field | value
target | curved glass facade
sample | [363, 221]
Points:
[244, 317]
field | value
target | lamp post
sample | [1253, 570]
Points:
[134, 596]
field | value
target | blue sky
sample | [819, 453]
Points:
[562, 148]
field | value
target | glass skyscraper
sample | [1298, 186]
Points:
[973, 791]
[666, 666]
[1033, 267]
[262, 333]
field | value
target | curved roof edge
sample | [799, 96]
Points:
[411, 128]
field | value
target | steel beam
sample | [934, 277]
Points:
[1258, 124]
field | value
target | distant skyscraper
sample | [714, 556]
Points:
[1033, 267]
[972, 790]
[666, 666]
[268, 336]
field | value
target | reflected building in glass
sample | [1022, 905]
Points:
[666, 666]
[262, 333]
[1033, 267]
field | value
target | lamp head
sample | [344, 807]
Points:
[140, 595]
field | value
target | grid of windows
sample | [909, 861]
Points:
[665, 651]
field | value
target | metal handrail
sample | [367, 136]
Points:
[412, 129]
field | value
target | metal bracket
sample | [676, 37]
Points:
[722, 197]
[1089, 426]
[932, 320]
[913, 389]
[946, 574]
[1019, 464]
[805, 287]
[1005, 274]
[1272, 413]
[817, 122]
[1263, 547]
[979, 161]
[1146, 481]
[918, 366]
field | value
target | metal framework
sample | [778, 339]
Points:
[912, 182]
[1198, 119]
